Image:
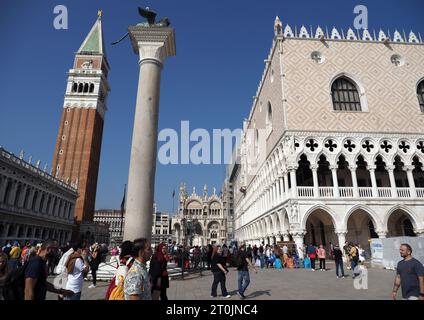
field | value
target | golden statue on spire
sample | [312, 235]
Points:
[100, 13]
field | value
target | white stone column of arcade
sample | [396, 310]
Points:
[298, 240]
[153, 44]
[371, 169]
[354, 180]
[390, 169]
[411, 181]
[333, 169]
[314, 169]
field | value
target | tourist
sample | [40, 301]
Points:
[254, 252]
[7, 248]
[77, 267]
[251, 253]
[338, 259]
[36, 285]
[321, 257]
[4, 271]
[94, 263]
[409, 275]
[346, 254]
[354, 259]
[219, 271]
[312, 254]
[125, 262]
[137, 282]
[243, 277]
[159, 274]
[14, 255]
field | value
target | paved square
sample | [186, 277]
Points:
[272, 284]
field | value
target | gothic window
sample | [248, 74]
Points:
[269, 118]
[74, 87]
[91, 87]
[420, 95]
[345, 95]
[80, 87]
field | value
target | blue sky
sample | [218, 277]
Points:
[221, 46]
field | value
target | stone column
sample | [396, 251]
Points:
[286, 237]
[354, 180]
[411, 181]
[373, 181]
[293, 182]
[392, 180]
[419, 233]
[333, 169]
[298, 239]
[341, 235]
[281, 184]
[153, 44]
[22, 199]
[286, 186]
[314, 169]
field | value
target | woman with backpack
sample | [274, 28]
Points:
[159, 274]
[115, 290]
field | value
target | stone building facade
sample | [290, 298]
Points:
[200, 219]
[34, 205]
[333, 148]
[115, 221]
[161, 232]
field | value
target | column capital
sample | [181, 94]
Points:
[314, 167]
[390, 167]
[371, 167]
[292, 168]
[409, 167]
[333, 166]
[340, 232]
[153, 43]
[381, 233]
[419, 232]
[298, 233]
[353, 167]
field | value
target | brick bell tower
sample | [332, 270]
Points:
[79, 140]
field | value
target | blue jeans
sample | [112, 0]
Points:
[243, 281]
[76, 296]
[339, 265]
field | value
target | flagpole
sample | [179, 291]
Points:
[122, 212]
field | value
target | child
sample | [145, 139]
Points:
[307, 262]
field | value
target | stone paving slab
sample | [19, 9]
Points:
[272, 284]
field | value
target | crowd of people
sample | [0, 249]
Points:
[143, 275]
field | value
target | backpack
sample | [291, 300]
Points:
[14, 286]
[115, 290]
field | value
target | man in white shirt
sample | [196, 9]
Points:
[77, 267]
